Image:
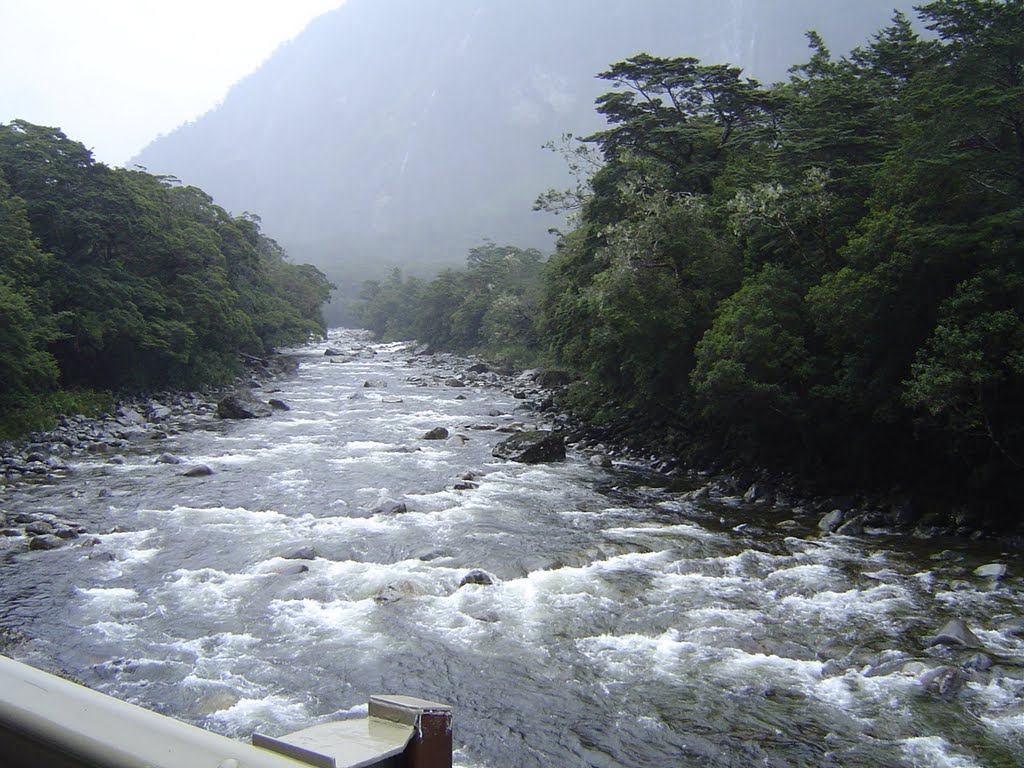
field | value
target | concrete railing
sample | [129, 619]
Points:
[52, 722]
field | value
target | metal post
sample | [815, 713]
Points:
[431, 743]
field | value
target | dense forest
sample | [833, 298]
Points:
[826, 274]
[114, 280]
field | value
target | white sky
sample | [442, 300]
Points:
[114, 74]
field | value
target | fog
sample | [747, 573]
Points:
[403, 132]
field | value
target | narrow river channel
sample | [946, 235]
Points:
[627, 625]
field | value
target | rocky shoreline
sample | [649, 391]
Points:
[627, 447]
[135, 423]
[141, 423]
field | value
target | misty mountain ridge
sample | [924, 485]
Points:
[404, 132]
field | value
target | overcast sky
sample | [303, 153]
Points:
[114, 74]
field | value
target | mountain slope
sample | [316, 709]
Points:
[406, 131]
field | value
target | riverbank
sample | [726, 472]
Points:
[915, 511]
[139, 424]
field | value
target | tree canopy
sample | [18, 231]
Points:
[118, 280]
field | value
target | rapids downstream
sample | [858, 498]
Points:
[628, 624]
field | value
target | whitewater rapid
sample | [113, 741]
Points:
[628, 624]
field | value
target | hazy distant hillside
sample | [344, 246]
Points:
[406, 131]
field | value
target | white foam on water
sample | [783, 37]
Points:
[268, 714]
[721, 617]
[831, 607]
[310, 621]
[369, 447]
[126, 560]
[644, 657]
[934, 752]
[687, 589]
[113, 631]
[804, 579]
[772, 669]
[208, 590]
[681, 530]
[226, 459]
[112, 602]
[864, 697]
[1008, 727]
[229, 517]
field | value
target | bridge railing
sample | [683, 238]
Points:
[48, 721]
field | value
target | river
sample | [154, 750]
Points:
[628, 624]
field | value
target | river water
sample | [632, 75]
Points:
[628, 625]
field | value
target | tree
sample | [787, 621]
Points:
[686, 115]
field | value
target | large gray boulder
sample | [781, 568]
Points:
[531, 447]
[955, 633]
[242, 405]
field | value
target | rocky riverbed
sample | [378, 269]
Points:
[576, 611]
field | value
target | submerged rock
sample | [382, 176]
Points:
[302, 553]
[391, 507]
[167, 458]
[398, 590]
[200, 470]
[943, 682]
[531, 447]
[278, 405]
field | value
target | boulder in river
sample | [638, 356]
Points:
[278, 405]
[943, 682]
[47, 541]
[830, 522]
[391, 507]
[39, 528]
[854, 527]
[302, 553]
[957, 633]
[292, 569]
[477, 576]
[991, 571]
[242, 405]
[199, 470]
[167, 458]
[398, 590]
[531, 447]
[437, 433]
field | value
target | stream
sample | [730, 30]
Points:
[628, 623]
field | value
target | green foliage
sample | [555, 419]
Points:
[490, 306]
[119, 280]
[753, 370]
[827, 272]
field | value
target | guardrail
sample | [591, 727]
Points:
[48, 721]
